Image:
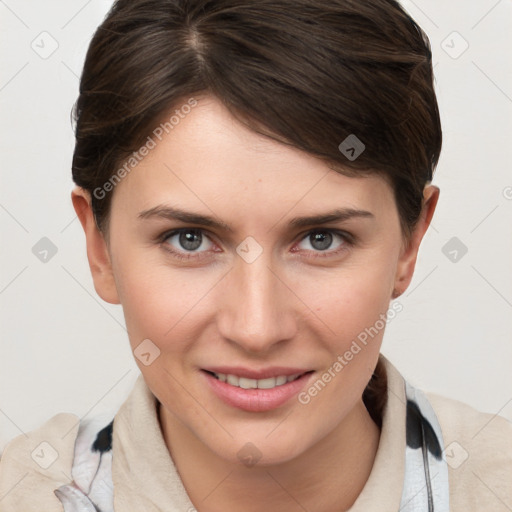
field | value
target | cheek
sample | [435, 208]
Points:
[350, 298]
[162, 303]
[351, 306]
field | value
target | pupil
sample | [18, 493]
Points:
[187, 240]
[321, 240]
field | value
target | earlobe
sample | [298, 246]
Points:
[408, 256]
[97, 249]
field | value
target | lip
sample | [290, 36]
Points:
[264, 373]
[256, 400]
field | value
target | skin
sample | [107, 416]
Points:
[294, 305]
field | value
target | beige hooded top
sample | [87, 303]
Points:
[478, 449]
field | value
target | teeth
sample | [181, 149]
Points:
[244, 383]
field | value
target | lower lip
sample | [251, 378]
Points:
[256, 400]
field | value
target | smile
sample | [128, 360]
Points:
[245, 383]
[256, 395]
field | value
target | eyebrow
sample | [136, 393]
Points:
[173, 213]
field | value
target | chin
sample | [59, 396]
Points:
[261, 451]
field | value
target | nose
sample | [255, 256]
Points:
[256, 308]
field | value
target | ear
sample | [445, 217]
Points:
[409, 253]
[97, 248]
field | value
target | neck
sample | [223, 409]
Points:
[327, 477]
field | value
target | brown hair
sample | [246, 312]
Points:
[307, 73]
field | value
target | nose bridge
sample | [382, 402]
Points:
[256, 311]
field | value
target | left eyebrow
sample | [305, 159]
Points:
[338, 215]
[173, 213]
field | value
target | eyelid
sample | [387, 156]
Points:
[192, 256]
[349, 240]
[334, 231]
[176, 231]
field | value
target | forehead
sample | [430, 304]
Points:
[209, 159]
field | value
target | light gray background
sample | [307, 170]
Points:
[64, 350]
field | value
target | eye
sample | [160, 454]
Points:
[186, 240]
[189, 243]
[321, 240]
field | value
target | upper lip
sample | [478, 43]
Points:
[263, 373]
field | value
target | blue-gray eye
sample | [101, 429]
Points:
[188, 239]
[322, 240]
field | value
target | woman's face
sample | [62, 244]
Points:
[256, 286]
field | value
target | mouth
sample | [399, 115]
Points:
[256, 395]
[247, 383]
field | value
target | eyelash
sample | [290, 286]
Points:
[349, 241]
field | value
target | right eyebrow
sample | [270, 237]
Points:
[173, 213]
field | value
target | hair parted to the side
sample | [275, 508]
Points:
[307, 73]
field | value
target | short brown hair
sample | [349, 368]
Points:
[307, 73]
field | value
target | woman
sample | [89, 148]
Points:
[254, 182]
